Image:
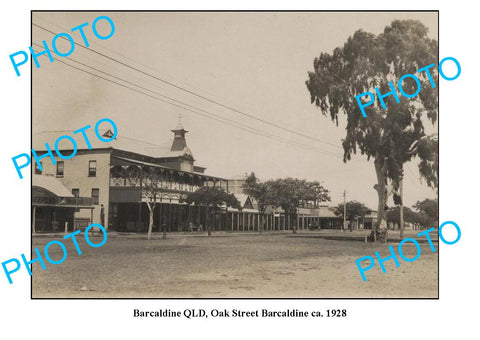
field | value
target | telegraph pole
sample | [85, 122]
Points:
[344, 208]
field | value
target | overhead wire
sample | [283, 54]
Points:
[194, 93]
[208, 115]
[120, 54]
[191, 106]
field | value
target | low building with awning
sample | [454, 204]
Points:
[54, 206]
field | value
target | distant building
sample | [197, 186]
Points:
[322, 215]
[234, 185]
[370, 219]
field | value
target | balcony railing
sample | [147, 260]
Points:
[164, 186]
[77, 201]
[44, 200]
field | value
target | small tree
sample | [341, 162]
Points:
[291, 193]
[393, 215]
[149, 181]
[353, 209]
[315, 192]
[151, 188]
[261, 193]
[429, 209]
[410, 216]
[212, 198]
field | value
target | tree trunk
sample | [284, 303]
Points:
[294, 218]
[150, 225]
[162, 227]
[207, 222]
[380, 170]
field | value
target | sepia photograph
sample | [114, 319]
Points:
[234, 155]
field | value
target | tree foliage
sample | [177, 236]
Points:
[429, 208]
[315, 193]
[287, 193]
[149, 180]
[212, 197]
[367, 61]
[261, 192]
[292, 193]
[428, 152]
[409, 216]
[353, 209]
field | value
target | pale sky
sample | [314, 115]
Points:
[254, 62]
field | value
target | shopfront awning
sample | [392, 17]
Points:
[49, 191]
[51, 184]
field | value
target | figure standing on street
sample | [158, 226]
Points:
[102, 215]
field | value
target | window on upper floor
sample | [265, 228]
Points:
[92, 168]
[37, 169]
[60, 168]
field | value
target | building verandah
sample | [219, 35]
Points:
[176, 217]
[54, 207]
[128, 210]
[276, 221]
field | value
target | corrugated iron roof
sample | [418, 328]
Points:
[51, 184]
[165, 167]
[121, 142]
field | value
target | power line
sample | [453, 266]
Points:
[118, 53]
[194, 93]
[196, 108]
[238, 125]
[221, 119]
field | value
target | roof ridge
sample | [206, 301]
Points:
[92, 131]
